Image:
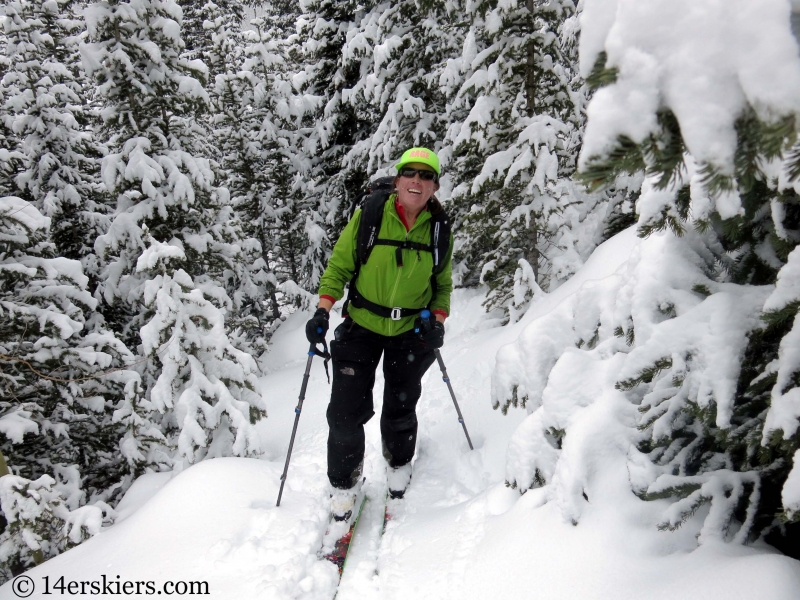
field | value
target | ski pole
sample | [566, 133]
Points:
[426, 315]
[312, 351]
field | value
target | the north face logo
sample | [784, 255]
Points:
[420, 154]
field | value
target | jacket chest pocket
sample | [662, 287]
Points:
[417, 265]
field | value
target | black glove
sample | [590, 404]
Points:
[433, 334]
[317, 326]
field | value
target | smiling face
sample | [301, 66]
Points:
[412, 192]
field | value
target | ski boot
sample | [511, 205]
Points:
[398, 479]
[343, 500]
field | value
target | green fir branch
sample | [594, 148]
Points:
[601, 172]
[646, 375]
[601, 75]
[664, 152]
[783, 316]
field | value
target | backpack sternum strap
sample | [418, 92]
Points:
[403, 245]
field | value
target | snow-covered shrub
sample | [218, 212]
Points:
[721, 158]
[780, 378]
[39, 524]
[204, 384]
[660, 336]
[687, 376]
[702, 341]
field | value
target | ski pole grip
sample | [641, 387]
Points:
[425, 320]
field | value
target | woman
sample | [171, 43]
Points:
[391, 277]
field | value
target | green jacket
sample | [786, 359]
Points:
[381, 280]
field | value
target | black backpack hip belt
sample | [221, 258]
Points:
[395, 314]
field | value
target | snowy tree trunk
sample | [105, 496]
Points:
[531, 68]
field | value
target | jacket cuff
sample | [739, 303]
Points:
[441, 313]
[326, 297]
[329, 291]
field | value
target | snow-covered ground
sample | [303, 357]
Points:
[460, 533]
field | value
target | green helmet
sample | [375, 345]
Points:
[419, 155]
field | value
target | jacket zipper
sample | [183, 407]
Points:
[399, 272]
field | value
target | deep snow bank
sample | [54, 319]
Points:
[216, 522]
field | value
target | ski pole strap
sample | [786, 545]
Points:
[324, 354]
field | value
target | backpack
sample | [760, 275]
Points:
[373, 202]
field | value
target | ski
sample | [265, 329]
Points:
[342, 534]
[387, 514]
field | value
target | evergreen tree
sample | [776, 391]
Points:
[220, 43]
[11, 160]
[250, 318]
[173, 240]
[737, 188]
[254, 291]
[340, 124]
[222, 25]
[749, 248]
[517, 106]
[272, 168]
[211, 32]
[62, 377]
[401, 50]
[45, 108]
[192, 31]
[376, 67]
[774, 367]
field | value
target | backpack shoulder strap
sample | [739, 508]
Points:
[440, 236]
[372, 203]
[371, 217]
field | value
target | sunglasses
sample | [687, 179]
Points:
[423, 174]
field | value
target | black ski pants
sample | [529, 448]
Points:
[356, 352]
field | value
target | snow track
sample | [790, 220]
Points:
[447, 476]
